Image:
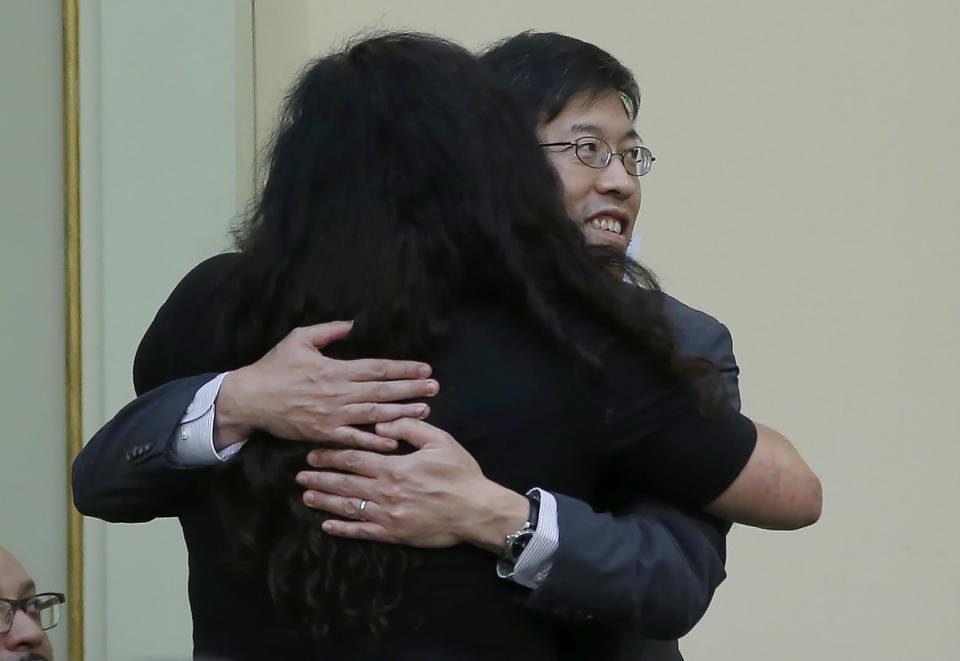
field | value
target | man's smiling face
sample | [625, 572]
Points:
[603, 202]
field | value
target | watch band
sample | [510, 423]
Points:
[534, 516]
[517, 541]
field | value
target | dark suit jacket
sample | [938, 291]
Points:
[656, 567]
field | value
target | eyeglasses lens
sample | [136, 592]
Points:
[44, 609]
[593, 152]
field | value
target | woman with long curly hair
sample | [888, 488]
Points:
[407, 191]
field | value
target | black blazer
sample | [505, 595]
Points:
[523, 409]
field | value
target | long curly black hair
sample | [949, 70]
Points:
[404, 176]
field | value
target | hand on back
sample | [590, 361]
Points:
[298, 393]
[435, 496]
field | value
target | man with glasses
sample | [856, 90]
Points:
[651, 568]
[25, 615]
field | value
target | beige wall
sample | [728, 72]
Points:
[805, 194]
[33, 492]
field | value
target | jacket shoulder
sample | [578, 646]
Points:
[695, 328]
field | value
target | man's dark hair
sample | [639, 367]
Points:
[548, 69]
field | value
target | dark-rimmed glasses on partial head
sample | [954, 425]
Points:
[44, 609]
[596, 153]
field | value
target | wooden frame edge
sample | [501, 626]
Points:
[74, 422]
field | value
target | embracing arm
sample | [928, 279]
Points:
[653, 566]
[125, 472]
[132, 468]
[729, 466]
[776, 488]
[656, 567]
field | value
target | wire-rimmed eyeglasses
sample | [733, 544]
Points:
[44, 609]
[596, 153]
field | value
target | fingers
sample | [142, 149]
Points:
[339, 484]
[367, 464]
[362, 440]
[369, 413]
[349, 508]
[337, 505]
[357, 530]
[415, 432]
[392, 391]
[373, 369]
[320, 335]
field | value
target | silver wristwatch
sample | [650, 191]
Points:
[517, 541]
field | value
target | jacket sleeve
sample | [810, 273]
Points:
[123, 474]
[654, 567]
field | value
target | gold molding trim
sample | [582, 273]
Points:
[71, 190]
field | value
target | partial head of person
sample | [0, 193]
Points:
[585, 102]
[404, 155]
[405, 180]
[25, 614]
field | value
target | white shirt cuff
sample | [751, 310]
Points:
[192, 446]
[535, 561]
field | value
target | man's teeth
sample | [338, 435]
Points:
[608, 224]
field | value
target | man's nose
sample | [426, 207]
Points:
[615, 180]
[24, 634]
